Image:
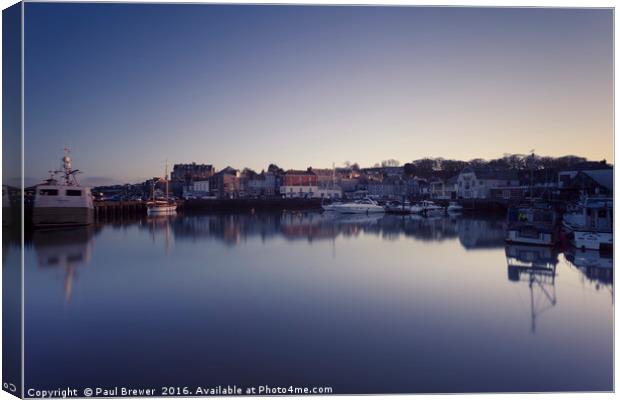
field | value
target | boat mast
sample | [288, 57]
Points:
[66, 169]
[166, 178]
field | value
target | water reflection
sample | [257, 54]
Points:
[307, 298]
[536, 266]
[233, 229]
[66, 250]
[596, 267]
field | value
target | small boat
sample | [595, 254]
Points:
[64, 202]
[428, 205]
[532, 225]
[161, 207]
[165, 206]
[589, 258]
[454, 207]
[398, 207]
[428, 208]
[589, 224]
[365, 206]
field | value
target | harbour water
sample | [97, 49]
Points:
[362, 304]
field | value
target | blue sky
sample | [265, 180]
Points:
[127, 86]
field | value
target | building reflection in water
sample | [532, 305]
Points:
[64, 249]
[71, 248]
[535, 265]
[406, 286]
[481, 233]
[312, 226]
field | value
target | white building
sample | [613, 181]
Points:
[311, 192]
[200, 187]
[196, 189]
[477, 183]
[444, 190]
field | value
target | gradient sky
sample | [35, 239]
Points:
[129, 86]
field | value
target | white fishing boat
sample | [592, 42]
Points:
[532, 224]
[365, 206]
[62, 202]
[165, 206]
[589, 223]
[589, 258]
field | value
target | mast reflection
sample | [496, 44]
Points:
[535, 265]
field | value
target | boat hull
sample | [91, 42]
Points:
[352, 210]
[62, 216]
[540, 238]
[162, 210]
[592, 240]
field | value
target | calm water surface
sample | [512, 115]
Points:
[361, 304]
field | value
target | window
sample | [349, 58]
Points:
[74, 192]
[48, 192]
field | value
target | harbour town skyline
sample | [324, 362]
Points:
[310, 86]
[94, 180]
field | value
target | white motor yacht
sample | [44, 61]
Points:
[330, 207]
[365, 206]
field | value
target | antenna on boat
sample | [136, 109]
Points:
[69, 174]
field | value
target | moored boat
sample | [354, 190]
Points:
[589, 224]
[399, 207]
[532, 225]
[429, 208]
[365, 206]
[160, 207]
[330, 207]
[64, 202]
[165, 206]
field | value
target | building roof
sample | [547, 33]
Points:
[589, 165]
[604, 177]
[227, 170]
[452, 180]
[489, 173]
[299, 172]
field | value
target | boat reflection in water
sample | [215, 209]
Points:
[160, 228]
[64, 249]
[535, 265]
